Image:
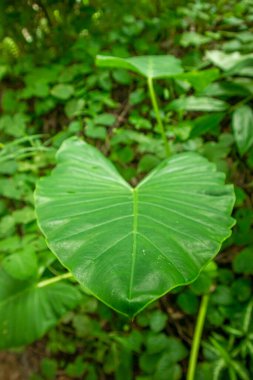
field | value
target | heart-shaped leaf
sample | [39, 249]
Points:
[150, 66]
[128, 246]
[27, 311]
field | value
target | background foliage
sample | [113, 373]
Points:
[50, 90]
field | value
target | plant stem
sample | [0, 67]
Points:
[158, 116]
[197, 337]
[50, 281]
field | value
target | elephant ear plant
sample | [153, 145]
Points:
[127, 245]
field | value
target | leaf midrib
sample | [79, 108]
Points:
[135, 228]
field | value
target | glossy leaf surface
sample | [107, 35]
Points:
[150, 66]
[128, 246]
[27, 311]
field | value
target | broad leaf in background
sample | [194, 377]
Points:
[242, 68]
[227, 61]
[201, 104]
[242, 123]
[139, 242]
[227, 89]
[27, 311]
[21, 265]
[160, 66]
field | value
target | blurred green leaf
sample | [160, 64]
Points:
[62, 91]
[158, 321]
[20, 301]
[201, 104]
[188, 302]
[243, 128]
[21, 265]
[243, 262]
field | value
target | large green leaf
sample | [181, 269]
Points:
[128, 246]
[243, 128]
[27, 310]
[150, 66]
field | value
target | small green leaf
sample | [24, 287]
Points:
[14, 125]
[76, 368]
[122, 77]
[158, 321]
[176, 350]
[188, 302]
[147, 162]
[83, 325]
[74, 107]
[62, 91]
[243, 128]
[243, 262]
[222, 296]
[156, 343]
[95, 132]
[242, 289]
[24, 215]
[193, 39]
[137, 96]
[148, 363]
[167, 371]
[106, 119]
[123, 155]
